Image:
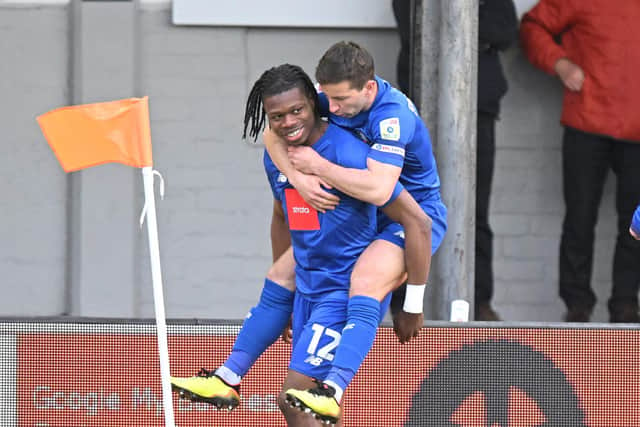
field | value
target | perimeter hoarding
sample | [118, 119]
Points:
[108, 375]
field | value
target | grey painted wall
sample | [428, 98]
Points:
[33, 77]
[71, 244]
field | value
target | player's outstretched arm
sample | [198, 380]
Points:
[417, 237]
[309, 186]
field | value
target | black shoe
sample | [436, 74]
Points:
[578, 315]
[625, 313]
[486, 313]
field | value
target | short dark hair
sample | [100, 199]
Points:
[272, 82]
[345, 61]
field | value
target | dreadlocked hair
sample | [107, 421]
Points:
[274, 81]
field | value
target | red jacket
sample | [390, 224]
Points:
[603, 38]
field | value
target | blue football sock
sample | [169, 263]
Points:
[261, 328]
[363, 316]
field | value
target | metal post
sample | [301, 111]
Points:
[446, 44]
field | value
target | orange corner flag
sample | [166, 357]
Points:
[88, 135]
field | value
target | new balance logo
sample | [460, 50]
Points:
[313, 360]
[399, 233]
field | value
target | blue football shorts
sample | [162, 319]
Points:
[317, 329]
[393, 232]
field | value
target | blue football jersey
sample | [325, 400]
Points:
[326, 245]
[635, 222]
[397, 136]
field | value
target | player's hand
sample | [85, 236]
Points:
[305, 159]
[634, 234]
[407, 325]
[571, 75]
[287, 333]
[311, 189]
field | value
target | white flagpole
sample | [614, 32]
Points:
[158, 298]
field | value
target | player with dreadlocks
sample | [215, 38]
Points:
[354, 98]
[324, 248]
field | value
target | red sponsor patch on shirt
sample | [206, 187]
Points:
[301, 215]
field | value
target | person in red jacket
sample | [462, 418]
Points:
[592, 46]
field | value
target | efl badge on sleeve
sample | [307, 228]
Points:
[390, 129]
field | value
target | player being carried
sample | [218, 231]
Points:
[324, 248]
[400, 151]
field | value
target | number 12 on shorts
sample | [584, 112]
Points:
[317, 355]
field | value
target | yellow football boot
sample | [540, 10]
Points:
[319, 400]
[207, 387]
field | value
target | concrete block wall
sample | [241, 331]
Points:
[34, 48]
[71, 245]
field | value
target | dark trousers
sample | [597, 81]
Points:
[586, 160]
[486, 150]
